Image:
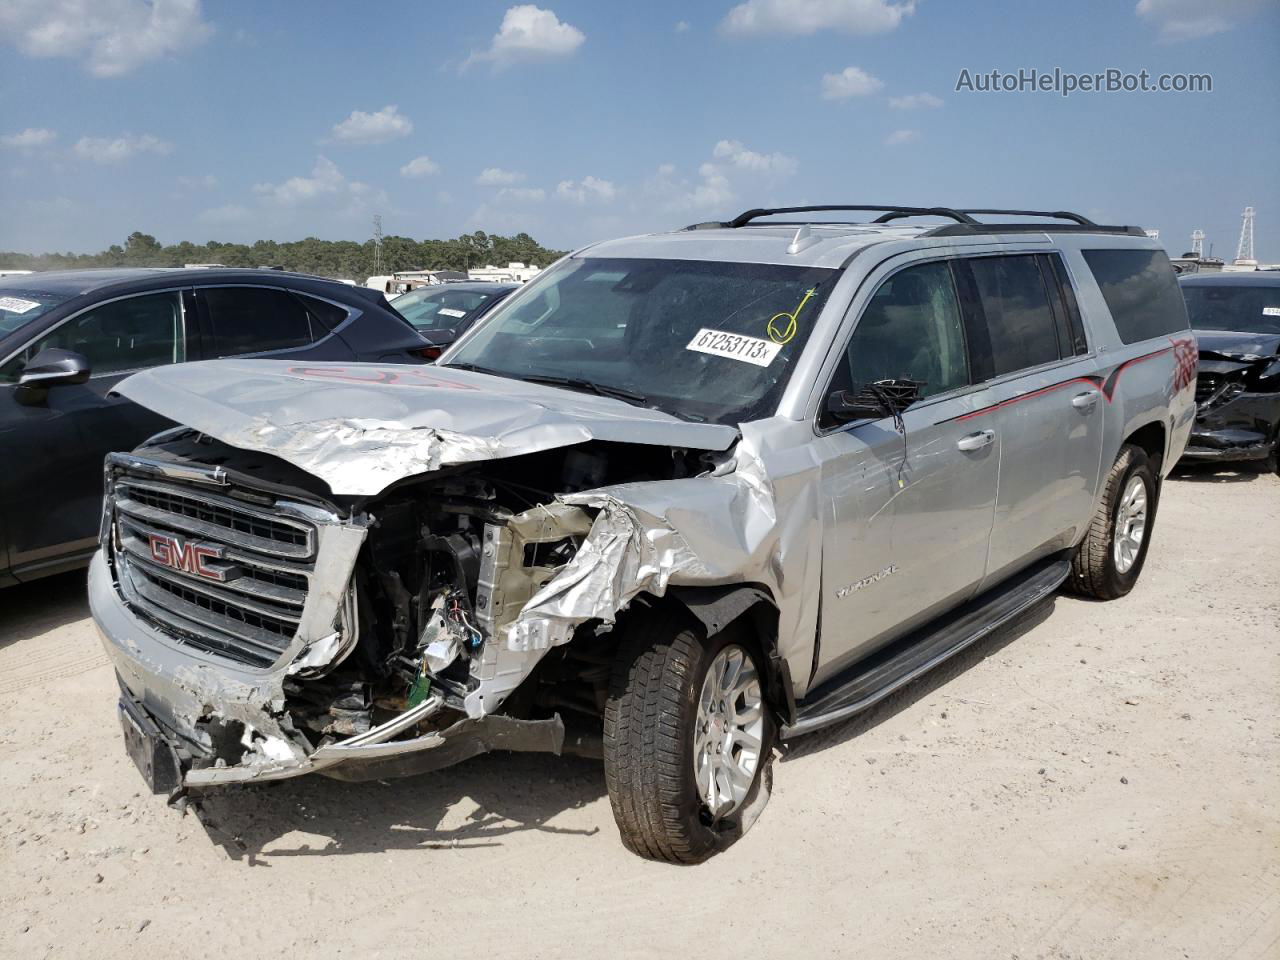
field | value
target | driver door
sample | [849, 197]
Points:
[908, 506]
[55, 439]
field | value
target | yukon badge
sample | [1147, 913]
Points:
[188, 557]
[866, 581]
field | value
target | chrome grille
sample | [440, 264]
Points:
[223, 576]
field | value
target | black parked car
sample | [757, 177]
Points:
[1236, 320]
[442, 312]
[67, 338]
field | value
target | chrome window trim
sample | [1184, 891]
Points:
[182, 310]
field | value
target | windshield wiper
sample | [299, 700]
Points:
[476, 368]
[599, 389]
[575, 383]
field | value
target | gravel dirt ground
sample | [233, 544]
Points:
[1099, 781]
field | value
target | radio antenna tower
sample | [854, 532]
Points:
[1244, 251]
[1197, 242]
[377, 244]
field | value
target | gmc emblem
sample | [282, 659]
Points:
[186, 557]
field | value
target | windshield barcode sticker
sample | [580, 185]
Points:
[1271, 311]
[450, 312]
[734, 346]
[17, 305]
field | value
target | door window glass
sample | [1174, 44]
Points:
[254, 320]
[911, 329]
[129, 334]
[1021, 324]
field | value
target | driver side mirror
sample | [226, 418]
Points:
[843, 406]
[52, 367]
[884, 398]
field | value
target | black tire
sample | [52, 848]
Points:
[1094, 572]
[648, 739]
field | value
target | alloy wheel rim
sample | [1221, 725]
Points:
[1131, 525]
[728, 732]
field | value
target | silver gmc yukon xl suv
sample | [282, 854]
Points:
[681, 498]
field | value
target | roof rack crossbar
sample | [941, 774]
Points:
[891, 212]
[1052, 214]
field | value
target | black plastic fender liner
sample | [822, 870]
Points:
[717, 607]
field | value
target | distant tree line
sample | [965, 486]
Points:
[328, 258]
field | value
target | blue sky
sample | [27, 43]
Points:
[577, 120]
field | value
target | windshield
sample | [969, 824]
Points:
[433, 308]
[1243, 309]
[698, 339]
[19, 307]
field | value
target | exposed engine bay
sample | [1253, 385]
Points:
[447, 564]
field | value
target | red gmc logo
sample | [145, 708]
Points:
[187, 557]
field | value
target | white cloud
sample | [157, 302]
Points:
[590, 188]
[522, 194]
[915, 101]
[379, 127]
[422, 166]
[326, 189]
[110, 37]
[809, 16]
[1192, 19]
[119, 149]
[528, 34]
[497, 177]
[29, 138]
[230, 213]
[899, 137]
[682, 26]
[737, 155]
[849, 82]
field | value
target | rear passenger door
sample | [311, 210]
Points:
[259, 321]
[1047, 405]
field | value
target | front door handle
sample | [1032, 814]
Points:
[976, 441]
[1085, 401]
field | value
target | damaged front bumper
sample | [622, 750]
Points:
[1244, 427]
[197, 708]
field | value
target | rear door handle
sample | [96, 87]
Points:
[976, 441]
[1086, 400]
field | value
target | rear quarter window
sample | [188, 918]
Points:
[1141, 291]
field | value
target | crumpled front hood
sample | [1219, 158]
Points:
[1237, 344]
[362, 426]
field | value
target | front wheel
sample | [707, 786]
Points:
[1108, 561]
[688, 738]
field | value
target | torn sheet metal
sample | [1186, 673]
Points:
[722, 528]
[412, 419]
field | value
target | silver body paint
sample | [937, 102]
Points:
[854, 543]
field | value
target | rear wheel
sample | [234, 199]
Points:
[1109, 560]
[687, 738]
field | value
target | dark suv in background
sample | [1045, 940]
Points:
[1236, 320]
[67, 338]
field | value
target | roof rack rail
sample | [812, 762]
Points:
[890, 212]
[1053, 214]
[964, 225]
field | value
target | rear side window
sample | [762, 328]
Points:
[255, 320]
[1141, 291]
[325, 316]
[1019, 319]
